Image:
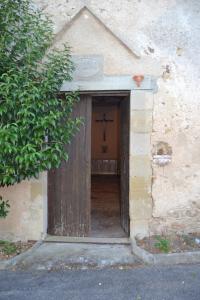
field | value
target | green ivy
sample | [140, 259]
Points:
[4, 207]
[35, 120]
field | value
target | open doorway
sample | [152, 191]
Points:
[107, 147]
[88, 196]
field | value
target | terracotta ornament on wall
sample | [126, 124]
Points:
[138, 79]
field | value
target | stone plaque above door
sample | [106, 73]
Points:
[88, 67]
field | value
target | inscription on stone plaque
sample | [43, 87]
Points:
[88, 67]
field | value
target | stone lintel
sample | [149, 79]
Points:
[108, 83]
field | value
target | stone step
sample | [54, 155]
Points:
[56, 256]
[87, 240]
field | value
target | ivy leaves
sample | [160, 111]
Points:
[4, 207]
[35, 120]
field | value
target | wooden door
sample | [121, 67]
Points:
[69, 186]
[124, 162]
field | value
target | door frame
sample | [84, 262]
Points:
[58, 222]
[140, 171]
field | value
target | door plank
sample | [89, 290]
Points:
[69, 186]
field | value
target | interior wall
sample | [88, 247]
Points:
[105, 135]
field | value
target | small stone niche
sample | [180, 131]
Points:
[162, 154]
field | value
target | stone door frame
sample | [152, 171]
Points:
[140, 157]
[141, 115]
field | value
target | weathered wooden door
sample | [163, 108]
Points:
[69, 186]
[124, 162]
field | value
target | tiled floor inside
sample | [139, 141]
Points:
[105, 204]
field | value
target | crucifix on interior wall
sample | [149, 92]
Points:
[104, 121]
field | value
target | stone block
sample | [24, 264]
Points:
[141, 207]
[140, 166]
[141, 100]
[140, 143]
[140, 183]
[139, 228]
[141, 121]
[140, 196]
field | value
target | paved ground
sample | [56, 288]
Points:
[142, 283]
[56, 256]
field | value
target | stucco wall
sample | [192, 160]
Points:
[164, 34]
[27, 217]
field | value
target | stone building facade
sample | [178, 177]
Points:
[159, 40]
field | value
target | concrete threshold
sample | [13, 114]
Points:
[86, 240]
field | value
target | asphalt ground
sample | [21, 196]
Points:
[140, 283]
